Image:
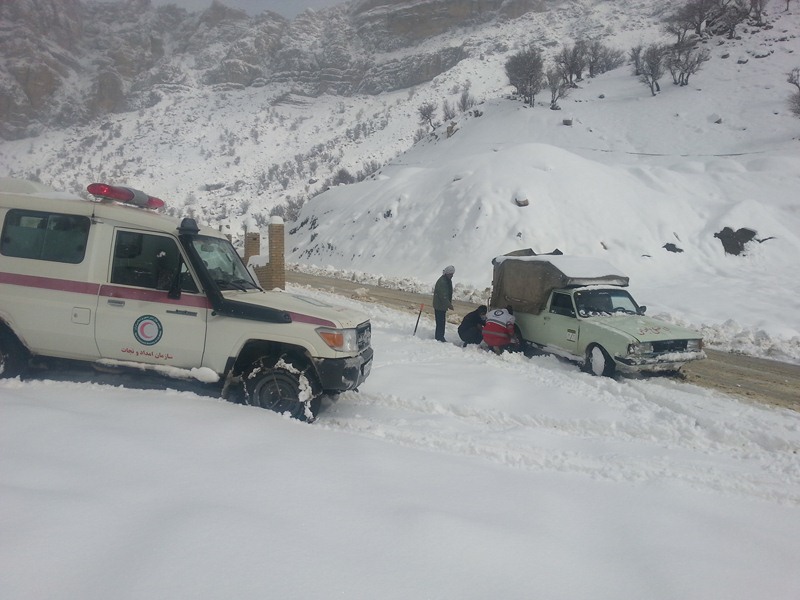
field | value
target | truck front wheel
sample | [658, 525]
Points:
[282, 388]
[598, 362]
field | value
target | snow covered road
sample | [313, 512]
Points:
[725, 369]
[545, 415]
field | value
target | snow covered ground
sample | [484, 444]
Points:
[452, 474]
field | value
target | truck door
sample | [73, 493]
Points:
[136, 319]
[560, 325]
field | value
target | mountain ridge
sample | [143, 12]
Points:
[61, 67]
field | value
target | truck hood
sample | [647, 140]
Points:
[301, 309]
[644, 329]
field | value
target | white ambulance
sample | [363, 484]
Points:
[112, 282]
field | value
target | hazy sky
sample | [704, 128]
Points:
[287, 8]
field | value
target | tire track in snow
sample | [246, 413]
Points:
[518, 441]
[639, 431]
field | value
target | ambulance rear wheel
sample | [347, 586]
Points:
[13, 356]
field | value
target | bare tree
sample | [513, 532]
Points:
[794, 78]
[679, 23]
[448, 111]
[734, 12]
[342, 177]
[692, 63]
[367, 169]
[594, 54]
[525, 71]
[466, 101]
[427, 112]
[600, 58]
[652, 68]
[683, 61]
[700, 13]
[571, 61]
[577, 59]
[757, 9]
[561, 62]
[635, 56]
[794, 104]
[794, 100]
[558, 89]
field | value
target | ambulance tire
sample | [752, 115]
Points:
[13, 355]
[279, 389]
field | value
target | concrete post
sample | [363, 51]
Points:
[276, 268]
[252, 245]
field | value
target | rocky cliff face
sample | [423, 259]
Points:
[389, 24]
[69, 61]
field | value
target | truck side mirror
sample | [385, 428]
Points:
[641, 310]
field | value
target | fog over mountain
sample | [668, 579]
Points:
[68, 62]
[286, 8]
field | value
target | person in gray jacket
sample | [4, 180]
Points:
[443, 300]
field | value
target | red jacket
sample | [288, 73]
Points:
[499, 328]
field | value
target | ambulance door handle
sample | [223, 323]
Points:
[114, 302]
[188, 313]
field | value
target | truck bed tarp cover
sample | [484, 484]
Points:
[525, 281]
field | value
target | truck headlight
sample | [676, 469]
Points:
[694, 345]
[640, 348]
[343, 340]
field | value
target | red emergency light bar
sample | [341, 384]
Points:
[124, 194]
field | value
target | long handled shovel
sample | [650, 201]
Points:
[418, 316]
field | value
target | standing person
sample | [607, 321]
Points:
[443, 300]
[499, 330]
[471, 329]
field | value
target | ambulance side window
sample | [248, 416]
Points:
[44, 236]
[146, 260]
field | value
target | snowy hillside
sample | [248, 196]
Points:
[632, 176]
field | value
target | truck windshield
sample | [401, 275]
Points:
[223, 264]
[604, 302]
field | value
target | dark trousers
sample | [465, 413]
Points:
[470, 335]
[440, 316]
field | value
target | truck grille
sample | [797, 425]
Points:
[669, 346]
[364, 335]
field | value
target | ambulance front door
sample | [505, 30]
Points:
[137, 321]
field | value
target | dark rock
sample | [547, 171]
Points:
[734, 241]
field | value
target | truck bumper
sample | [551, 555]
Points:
[342, 374]
[671, 361]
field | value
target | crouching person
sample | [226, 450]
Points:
[471, 329]
[498, 333]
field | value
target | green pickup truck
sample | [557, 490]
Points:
[578, 308]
